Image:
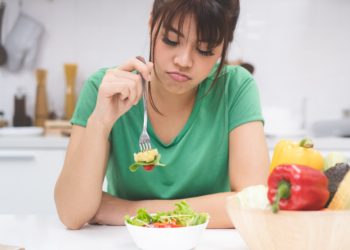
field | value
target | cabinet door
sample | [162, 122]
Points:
[27, 179]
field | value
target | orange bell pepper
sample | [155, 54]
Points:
[302, 153]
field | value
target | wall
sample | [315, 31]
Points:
[301, 51]
[93, 34]
[299, 48]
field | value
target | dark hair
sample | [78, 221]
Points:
[248, 66]
[216, 22]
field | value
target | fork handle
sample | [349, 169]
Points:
[144, 105]
[144, 95]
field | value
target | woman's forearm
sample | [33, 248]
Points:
[78, 190]
[112, 210]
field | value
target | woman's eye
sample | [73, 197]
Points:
[169, 42]
[205, 52]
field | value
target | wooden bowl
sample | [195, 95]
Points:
[298, 230]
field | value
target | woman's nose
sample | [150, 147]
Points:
[184, 58]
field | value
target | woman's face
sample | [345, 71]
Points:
[181, 61]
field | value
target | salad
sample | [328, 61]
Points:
[146, 159]
[181, 216]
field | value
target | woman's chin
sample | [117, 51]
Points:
[178, 88]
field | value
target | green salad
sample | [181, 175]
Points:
[181, 216]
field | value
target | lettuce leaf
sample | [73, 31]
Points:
[155, 162]
[183, 214]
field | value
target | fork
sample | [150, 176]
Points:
[144, 141]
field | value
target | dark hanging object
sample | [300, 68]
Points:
[3, 54]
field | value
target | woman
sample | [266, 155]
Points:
[204, 119]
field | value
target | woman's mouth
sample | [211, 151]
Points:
[176, 76]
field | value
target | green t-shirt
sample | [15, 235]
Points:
[197, 158]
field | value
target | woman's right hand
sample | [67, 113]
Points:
[120, 90]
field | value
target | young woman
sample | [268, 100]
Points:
[204, 119]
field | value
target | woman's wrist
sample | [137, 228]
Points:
[98, 125]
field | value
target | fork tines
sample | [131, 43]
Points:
[146, 145]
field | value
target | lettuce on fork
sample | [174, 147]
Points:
[149, 158]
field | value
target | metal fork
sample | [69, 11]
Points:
[144, 141]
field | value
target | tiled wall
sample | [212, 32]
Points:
[300, 48]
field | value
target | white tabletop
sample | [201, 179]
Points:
[37, 232]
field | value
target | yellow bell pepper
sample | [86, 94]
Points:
[302, 153]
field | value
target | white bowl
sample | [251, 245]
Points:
[178, 238]
[290, 230]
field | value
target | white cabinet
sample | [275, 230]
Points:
[28, 174]
[27, 179]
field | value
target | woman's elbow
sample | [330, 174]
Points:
[70, 217]
[71, 223]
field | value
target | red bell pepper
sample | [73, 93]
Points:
[295, 187]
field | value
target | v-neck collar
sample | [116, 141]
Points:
[188, 124]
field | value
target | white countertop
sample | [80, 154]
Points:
[57, 142]
[33, 142]
[37, 232]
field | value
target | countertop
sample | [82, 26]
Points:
[57, 142]
[37, 232]
[33, 142]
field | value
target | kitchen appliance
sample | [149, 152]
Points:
[336, 127]
[3, 53]
[71, 73]
[41, 106]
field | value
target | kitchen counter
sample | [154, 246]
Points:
[57, 142]
[36, 232]
[33, 142]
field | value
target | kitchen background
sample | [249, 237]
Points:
[300, 50]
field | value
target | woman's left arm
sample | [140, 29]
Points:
[249, 157]
[248, 165]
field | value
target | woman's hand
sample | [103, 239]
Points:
[120, 90]
[111, 211]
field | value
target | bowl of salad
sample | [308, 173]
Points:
[178, 229]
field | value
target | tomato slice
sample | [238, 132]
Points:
[160, 225]
[148, 167]
[166, 224]
[173, 224]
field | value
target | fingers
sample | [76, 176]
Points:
[126, 84]
[136, 64]
[123, 87]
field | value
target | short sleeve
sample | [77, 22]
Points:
[87, 99]
[243, 99]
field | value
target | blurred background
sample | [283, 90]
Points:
[299, 50]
